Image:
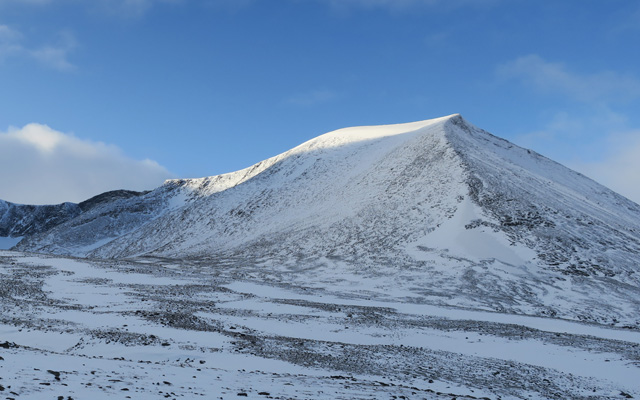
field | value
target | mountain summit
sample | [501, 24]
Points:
[460, 216]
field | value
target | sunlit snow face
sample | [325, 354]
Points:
[345, 136]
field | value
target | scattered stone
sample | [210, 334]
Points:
[56, 374]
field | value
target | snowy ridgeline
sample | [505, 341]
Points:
[19, 220]
[150, 328]
[448, 211]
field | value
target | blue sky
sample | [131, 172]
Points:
[125, 93]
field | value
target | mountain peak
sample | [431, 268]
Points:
[441, 198]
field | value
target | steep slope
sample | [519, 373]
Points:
[445, 211]
[322, 182]
[352, 193]
[570, 220]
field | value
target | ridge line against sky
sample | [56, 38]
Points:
[203, 87]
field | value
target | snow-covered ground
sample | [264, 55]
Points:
[154, 328]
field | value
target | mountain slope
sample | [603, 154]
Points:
[567, 218]
[440, 208]
[17, 220]
[21, 220]
[333, 178]
[339, 193]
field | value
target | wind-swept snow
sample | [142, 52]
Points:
[450, 213]
[423, 260]
[146, 329]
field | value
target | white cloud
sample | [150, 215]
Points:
[312, 98]
[56, 56]
[437, 39]
[8, 35]
[129, 8]
[620, 169]
[544, 76]
[383, 3]
[53, 55]
[39, 165]
[628, 21]
[9, 39]
[120, 8]
[404, 5]
[3, 2]
[575, 130]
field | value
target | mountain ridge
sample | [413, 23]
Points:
[458, 138]
[440, 203]
[17, 220]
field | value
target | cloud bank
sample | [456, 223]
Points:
[39, 165]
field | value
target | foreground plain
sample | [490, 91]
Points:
[152, 328]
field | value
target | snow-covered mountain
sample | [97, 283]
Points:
[422, 260]
[441, 203]
[18, 220]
